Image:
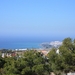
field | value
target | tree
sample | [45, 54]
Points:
[2, 62]
[67, 50]
[55, 61]
[36, 62]
[32, 63]
[64, 61]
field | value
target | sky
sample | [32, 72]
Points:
[37, 18]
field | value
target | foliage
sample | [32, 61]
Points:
[65, 60]
[31, 63]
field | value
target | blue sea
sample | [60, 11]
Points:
[17, 43]
[14, 45]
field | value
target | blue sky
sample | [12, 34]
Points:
[37, 18]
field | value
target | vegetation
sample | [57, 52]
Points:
[64, 61]
[34, 63]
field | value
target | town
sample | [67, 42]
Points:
[20, 52]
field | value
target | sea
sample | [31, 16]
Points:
[19, 43]
[22, 43]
